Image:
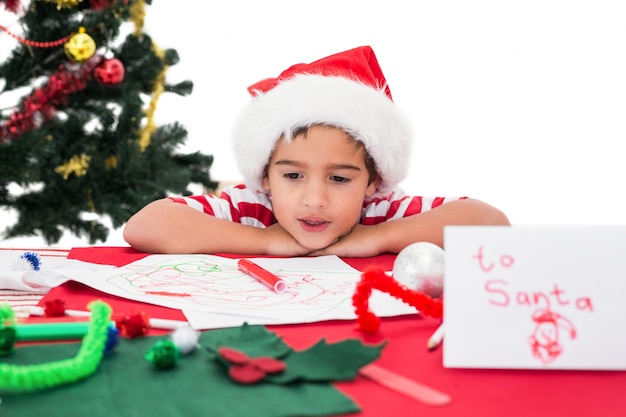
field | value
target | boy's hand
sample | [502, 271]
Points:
[280, 243]
[360, 242]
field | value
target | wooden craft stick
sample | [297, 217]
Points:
[404, 385]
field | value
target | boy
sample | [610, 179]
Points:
[322, 149]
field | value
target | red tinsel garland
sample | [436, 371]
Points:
[16, 6]
[13, 6]
[374, 277]
[41, 105]
[102, 4]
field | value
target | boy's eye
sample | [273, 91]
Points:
[338, 178]
[292, 175]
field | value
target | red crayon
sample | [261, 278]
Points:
[263, 275]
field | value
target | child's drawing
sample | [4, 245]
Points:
[218, 283]
[319, 287]
[546, 339]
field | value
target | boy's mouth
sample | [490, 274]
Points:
[313, 224]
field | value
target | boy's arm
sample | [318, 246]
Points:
[394, 235]
[165, 226]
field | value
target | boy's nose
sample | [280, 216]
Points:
[315, 195]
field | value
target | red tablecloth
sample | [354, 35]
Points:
[474, 392]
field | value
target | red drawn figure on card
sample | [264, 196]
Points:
[546, 338]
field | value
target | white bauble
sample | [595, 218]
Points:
[420, 266]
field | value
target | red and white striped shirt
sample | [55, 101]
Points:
[243, 205]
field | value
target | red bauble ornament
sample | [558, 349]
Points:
[109, 72]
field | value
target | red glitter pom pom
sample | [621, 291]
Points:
[135, 325]
[54, 308]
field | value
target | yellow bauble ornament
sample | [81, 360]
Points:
[80, 47]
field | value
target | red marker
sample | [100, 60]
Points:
[263, 275]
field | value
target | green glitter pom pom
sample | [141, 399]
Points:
[164, 354]
[7, 316]
[7, 340]
[7, 331]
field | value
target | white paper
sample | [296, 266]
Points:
[535, 297]
[212, 292]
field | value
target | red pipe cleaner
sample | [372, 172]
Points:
[374, 277]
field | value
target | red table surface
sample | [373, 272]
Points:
[474, 392]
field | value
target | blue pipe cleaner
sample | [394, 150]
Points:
[33, 259]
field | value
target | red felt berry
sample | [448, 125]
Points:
[233, 356]
[246, 373]
[268, 364]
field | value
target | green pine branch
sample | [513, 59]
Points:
[99, 125]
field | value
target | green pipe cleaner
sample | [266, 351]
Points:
[52, 374]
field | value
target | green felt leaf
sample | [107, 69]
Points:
[128, 385]
[322, 362]
[327, 362]
[252, 340]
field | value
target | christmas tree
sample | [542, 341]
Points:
[81, 144]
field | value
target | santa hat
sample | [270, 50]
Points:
[347, 90]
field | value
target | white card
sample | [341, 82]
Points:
[535, 297]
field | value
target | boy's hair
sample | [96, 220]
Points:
[346, 90]
[370, 163]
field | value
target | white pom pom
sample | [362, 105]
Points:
[420, 267]
[186, 339]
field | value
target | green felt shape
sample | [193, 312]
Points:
[128, 385]
[253, 340]
[322, 362]
[327, 362]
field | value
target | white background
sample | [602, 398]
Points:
[518, 103]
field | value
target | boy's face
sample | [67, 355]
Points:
[317, 184]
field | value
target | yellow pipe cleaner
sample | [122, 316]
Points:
[65, 371]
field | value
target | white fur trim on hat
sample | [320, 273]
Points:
[366, 113]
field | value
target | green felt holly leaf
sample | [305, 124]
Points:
[253, 340]
[322, 362]
[327, 362]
